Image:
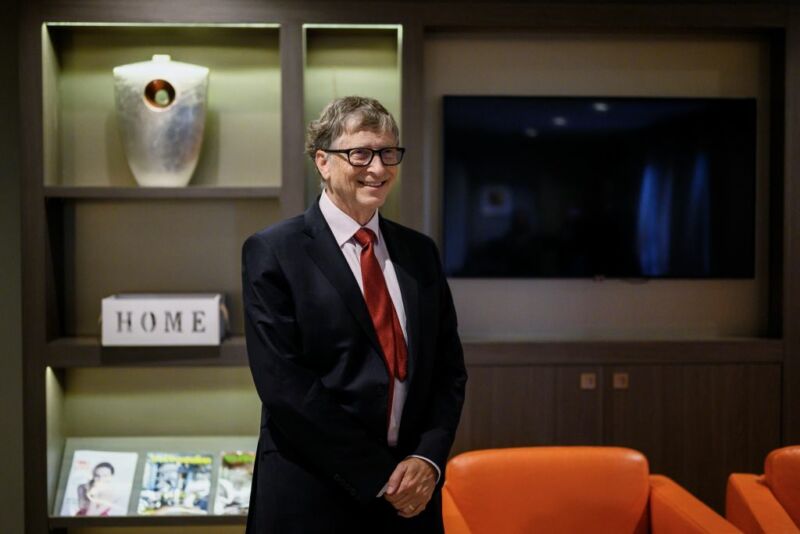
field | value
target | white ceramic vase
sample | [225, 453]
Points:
[161, 111]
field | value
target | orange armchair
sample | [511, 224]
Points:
[769, 503]
[567, 490]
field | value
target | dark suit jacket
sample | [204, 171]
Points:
[317, 366]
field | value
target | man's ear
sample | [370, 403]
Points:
[321, 162]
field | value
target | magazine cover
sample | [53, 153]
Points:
[175, 484]
[233, 485]
[99, 483]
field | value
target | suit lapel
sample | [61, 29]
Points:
[402, 260]
[322, 248]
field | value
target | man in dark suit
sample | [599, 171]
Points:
[352, 342]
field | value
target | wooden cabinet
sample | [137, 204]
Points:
[695, 422]
[517, 406]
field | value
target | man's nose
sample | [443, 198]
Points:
[376, 165]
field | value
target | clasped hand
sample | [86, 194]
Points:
[411, 486]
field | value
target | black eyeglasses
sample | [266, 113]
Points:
[362, 156]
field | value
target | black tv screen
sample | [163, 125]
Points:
[585, 187]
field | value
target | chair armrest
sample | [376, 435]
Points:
[454, 522]
[673, 510]
[751, 506]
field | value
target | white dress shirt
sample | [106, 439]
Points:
[344, 228]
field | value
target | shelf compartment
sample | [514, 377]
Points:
[171, 193]
[111, 246]
[342, 60]
[88, 352]
[141, 445]
[82, 146]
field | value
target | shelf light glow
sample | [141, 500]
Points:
[162, 24]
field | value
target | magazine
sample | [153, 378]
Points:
[175, 484]
[233, 485]
[99, 483]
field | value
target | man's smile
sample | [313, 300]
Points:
[375, 185]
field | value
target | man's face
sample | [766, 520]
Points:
[358, 191]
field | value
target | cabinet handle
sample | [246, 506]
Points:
[621, 380]
[588, 380]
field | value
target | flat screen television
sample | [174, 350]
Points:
[587, 187]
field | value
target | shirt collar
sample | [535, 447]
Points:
[341, 224]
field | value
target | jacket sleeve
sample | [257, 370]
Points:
[449, 381]
[299, 406]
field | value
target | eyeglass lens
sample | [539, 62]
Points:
[363, 156]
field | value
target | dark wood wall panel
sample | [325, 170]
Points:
[791, 228]
[777, 180]
[37, 322]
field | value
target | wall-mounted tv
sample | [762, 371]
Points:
[587, 187]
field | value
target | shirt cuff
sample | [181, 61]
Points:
[436, 467]
[383, 490]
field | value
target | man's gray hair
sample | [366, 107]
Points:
[348, 114]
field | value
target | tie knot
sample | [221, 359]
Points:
[365, 236]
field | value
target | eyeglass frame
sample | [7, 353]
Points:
[347, 151]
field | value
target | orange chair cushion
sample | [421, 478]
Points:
[673, 510]
[752, 507]
[782, 475]
[550, 489]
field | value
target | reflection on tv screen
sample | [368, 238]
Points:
[599, 187]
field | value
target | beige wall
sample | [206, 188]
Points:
[609, 65]
[11, 489]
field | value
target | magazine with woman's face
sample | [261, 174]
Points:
[99, 484]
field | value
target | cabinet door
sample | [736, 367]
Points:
[529, 405]
[579, 406]
[696, 423]
[507, 406]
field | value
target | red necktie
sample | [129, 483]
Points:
[381, 310]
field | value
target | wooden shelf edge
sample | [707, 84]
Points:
[87, 352]
[714, 351]
[164, 193]
[147, 521]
